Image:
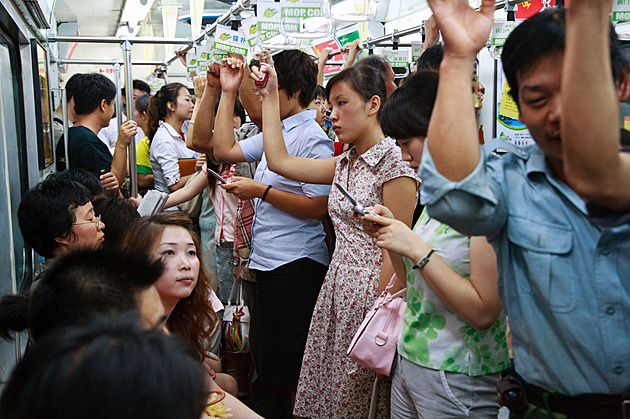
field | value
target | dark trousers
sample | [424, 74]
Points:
[285, 301]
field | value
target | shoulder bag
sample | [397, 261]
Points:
[374, 344]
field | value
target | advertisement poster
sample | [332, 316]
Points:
[334, 45]
[509, 128]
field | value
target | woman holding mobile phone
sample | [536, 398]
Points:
[452, 344]
[374, 173]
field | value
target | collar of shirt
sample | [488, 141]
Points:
[537, 163]
[373, 156]
[299, 118]
[171, 130]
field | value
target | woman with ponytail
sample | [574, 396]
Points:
[168, 109]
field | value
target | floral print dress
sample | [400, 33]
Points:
[331, 385]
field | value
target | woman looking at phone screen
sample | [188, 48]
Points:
[452, 344]
[374, 173]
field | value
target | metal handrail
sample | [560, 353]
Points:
[110, 62]
[119, 40]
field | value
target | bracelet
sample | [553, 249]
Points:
[265, 193]
[424, 261]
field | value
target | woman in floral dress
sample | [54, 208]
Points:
[331, 385]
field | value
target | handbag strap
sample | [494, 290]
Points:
[232, 293]
[239, 293]
[384, 294]
[392, 281]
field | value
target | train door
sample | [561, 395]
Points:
[15, 259]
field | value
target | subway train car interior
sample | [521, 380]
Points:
[44, 43]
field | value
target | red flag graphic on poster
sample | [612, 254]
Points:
[529, 8]
[334, 45]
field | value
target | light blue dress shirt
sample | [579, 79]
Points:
[563, 280]
[277, 237]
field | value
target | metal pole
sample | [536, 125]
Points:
[133, 173]
[64, 111]
[110, 62]
[118, 97]
[116, 40]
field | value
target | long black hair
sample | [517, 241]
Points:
[158, 106]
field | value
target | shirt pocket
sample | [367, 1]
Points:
[541, 254]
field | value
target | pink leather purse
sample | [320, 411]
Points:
[374, 344]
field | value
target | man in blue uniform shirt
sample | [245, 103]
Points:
[563, 279]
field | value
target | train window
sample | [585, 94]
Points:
[13, 256]
[45, 147]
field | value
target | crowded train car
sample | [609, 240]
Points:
[315, 209]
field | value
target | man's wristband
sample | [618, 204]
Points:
[264, 195]
[423, 262]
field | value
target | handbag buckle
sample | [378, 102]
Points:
[380, 339]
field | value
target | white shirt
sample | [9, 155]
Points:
[277, 237]
[167, 147]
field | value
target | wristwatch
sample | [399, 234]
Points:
[424, 261]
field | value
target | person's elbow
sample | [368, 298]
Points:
[485, 318]
[176, 186]
[274, 166]
[222, 152]
[318, 208]
[598, 190]
[320, 214]
[200, 143]
[145, 181]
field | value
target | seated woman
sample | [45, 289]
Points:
[184, 285]
[117, 213]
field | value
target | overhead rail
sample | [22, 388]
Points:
[119, 40]
[235, 9]
[110, 62]
[373, 42]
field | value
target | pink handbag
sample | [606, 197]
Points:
[374, 344]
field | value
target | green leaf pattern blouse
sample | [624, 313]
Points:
[432, 335]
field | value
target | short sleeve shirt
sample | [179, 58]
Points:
[143, 157]
[167, 147]
[563, 280]
[432, 335]
[85, 151]
[277, 237]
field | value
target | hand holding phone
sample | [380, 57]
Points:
[358, 208]
[217, 176]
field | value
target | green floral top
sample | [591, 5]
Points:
[432, 335]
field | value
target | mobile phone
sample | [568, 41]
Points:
[217, 176]
[265, 77]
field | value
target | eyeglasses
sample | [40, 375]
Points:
[96, 221]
